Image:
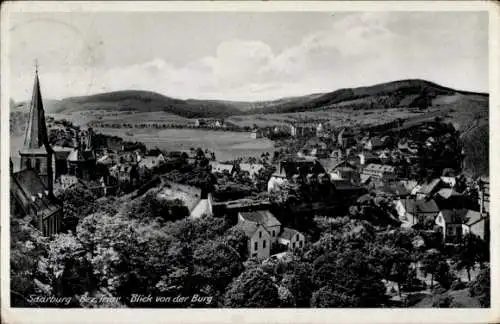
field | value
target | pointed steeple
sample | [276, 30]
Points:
[36, 132]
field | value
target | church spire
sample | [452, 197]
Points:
[36, 131]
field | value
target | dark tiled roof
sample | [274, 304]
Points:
[422, 206]
[455, 216]
[29, 188]
[249, 228]
[288, 233]
[344, 185]
[263, 217]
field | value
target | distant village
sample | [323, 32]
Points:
[317, 170]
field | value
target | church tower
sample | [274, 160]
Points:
[36, 153]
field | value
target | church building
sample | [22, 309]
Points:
[32, 188]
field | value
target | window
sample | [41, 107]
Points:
[274, 233]
[254, 255]
[256, 246]
[37, 165]
[260, 234]
[264, 244]
[28, 164]
[300, 244]
[293, 245]
[297, 237]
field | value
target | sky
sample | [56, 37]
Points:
[243, 56]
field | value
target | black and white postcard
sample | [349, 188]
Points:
[208, 157]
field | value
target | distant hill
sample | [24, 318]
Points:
[404, 94]
[145, 101]
[412, 93]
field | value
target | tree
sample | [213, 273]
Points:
[238, 240]
[352, 272]
[481, 287]
[443, 275]
[471, 250]
[298, 281]
[253, 288]
[78, 202]
[216, 264]
[27, 251]
[327, 297]
[430, 262]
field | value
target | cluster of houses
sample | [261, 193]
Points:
[353, 166]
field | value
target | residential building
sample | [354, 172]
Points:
[412, 211]
[148, 163]
[265, 218]
[259, 239]
[287, 169]
[124, 173]
[82, 164]
[263, 230]
[256, 133]
[292, 239]
[218, 167]
[455, 223]
[344, 170]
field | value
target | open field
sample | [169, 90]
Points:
[335, 117]
[226, 145]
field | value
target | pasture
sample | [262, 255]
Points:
[225, 145]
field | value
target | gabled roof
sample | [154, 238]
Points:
[288, 233]
[473, 217]
[425, 206]
[249, 228]
[263, 217]
[455, 216]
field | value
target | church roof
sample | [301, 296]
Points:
[30, 191]
[36, 132]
